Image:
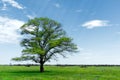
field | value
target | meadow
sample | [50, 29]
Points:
[59, 73]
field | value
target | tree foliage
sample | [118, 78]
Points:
[43, 39]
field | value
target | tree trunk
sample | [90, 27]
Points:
[41, 64]
[41, 67]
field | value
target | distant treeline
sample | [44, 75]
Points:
[92, 65]
[64, 65]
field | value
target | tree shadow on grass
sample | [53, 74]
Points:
[36, 73]
[29, 72]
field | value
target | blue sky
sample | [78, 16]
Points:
[93, 24]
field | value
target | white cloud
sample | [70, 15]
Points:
[8, 30]
[57, 5]
[30, 28]
[95, 23]
[12, 3]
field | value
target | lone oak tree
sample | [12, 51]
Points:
[43, 39]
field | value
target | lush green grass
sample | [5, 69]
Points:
[59, 73]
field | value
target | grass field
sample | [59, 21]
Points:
[59, 73]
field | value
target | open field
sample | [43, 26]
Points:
[59, 73]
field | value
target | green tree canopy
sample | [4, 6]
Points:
[43, 39]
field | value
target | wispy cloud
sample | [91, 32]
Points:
[30, 16]
[118, 33]
[78, 11]
[8, 30]
[13, 3]
[57, 5]
[4, 6]
[96, 23]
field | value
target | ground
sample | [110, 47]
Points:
[59, 73]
